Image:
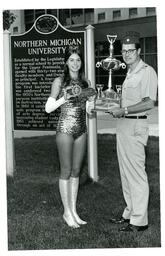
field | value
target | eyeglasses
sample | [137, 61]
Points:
[130, 51]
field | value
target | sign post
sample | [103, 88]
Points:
[8, 105]
[92, 122]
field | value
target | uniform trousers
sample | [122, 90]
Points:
[132, 136]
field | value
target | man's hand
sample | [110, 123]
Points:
[117, 112]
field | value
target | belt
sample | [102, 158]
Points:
[136, 117]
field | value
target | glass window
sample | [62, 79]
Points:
[29, 12]
[117, 47]
[96, 49]
[142, 45]
[150, 54]
[64, 17]
[132, 12]
[52, 11]
[89, 15]
[117, 80]
[150, 11]
[151, 59]
[101, 16]
[39, 12]
[29, 16]
[77, 16]
[102, 80]
[116, 14]
[15, 30]
[151, 45]
[28, 26]
[29, 19]
[103, 49]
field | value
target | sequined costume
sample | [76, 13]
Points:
[72, 118]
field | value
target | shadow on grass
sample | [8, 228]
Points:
[35, 209]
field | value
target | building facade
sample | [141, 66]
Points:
[113, 21]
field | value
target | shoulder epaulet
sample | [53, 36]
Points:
[145, 65]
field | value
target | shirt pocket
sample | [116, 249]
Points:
[133, 89]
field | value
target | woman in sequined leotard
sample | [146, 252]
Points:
[71, 133]
[72, 119]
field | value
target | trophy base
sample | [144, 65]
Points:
[106, 104]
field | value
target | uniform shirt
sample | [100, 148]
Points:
[138, 84]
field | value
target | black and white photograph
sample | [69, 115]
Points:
[81, 129]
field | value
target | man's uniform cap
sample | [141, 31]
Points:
[131, 37]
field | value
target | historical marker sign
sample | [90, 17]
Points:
[37, 58]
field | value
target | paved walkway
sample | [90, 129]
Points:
[105, 124]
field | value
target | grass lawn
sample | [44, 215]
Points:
[35, 209]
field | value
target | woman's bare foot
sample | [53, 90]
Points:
[78, 220]
[70, 221]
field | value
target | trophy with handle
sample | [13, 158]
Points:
[111, 99]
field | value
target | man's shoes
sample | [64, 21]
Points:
[120, 220]
[133, 228]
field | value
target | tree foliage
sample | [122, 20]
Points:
[8, 19]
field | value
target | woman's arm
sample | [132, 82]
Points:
[52, 104]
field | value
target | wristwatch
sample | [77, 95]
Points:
[126, 111]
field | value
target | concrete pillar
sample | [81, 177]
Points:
[8, 105]
[92, 122]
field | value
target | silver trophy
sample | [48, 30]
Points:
[111, 99]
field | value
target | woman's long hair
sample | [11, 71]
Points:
[68, 52]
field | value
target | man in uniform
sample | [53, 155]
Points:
[139, 92]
